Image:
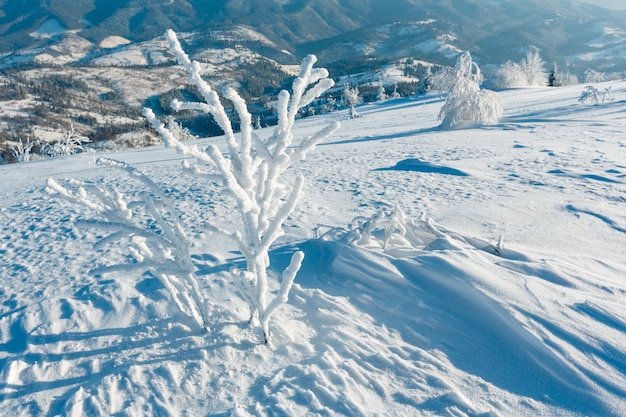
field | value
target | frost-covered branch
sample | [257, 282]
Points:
[163, 249]
[22, 151]
[401, 236]
[69, 144]
[252, 172]
[591, 93]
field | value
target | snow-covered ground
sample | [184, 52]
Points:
[512, 304]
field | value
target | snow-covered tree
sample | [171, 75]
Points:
[593, 76]
[559, 78]
[466, 102]
[253, 174]
[179, 130]
[443, 80]
[527, 73]
[351, 97]
[534, 68]
[22, 152]
[567, 78]
[509, 75]
[394, 93]
[595, 96]
[554, 78]
[381, 94]
[70, 143]
[330, 104]
[425, 83]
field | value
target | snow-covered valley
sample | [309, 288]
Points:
[511, 303]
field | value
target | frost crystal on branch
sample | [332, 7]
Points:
[69, 144]
[162, 249]
[252, 172]
[22, 151]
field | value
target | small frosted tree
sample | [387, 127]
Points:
[253, 174]
[567, 78]
[425, 83]
[591, 93]
[554, 79]
[593, 76]
[381, 94]
[22, 152]
[559, 78]
[466, 103]
[534, 69]
[529, 72]
[509, 75]
[394, 93]
[70, 144]
[351, 98]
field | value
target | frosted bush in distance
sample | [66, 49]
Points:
[252, 173]
[70, 143]
[529, 72]
[22, 152]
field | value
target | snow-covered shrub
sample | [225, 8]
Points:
[567, 78]
[534, 68]
[330, 104]
[394, 93]
[529, 72]
[351, 98]
[593, 76]
[70, 143]
[595, 96]
[443, 80]
[425, 83]
[381, 94]
[253, 174]
[466, 102]
[388, 230]
[399, 235]
[22, 152]
[183, 133]
[151, 228]
[509, 75]
[561, 79]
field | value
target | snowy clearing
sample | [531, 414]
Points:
[507, 297]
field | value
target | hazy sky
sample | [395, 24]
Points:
[611, 4]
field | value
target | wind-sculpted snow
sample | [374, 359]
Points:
[415, 164]
[496, 293]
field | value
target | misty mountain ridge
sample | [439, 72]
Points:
[575, 35]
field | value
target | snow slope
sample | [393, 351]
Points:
[455, 320]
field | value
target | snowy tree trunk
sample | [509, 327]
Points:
[253, 172]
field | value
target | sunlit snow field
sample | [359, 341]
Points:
[517, 307]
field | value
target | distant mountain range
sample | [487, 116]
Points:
[572, 34]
